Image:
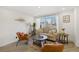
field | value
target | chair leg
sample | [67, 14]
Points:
[17, 43]
[67, 39]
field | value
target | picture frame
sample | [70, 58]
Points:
[66, 18]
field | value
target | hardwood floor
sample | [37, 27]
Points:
[25, 48]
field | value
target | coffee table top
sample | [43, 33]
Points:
[42, 37]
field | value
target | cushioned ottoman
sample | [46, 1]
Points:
[57, 47]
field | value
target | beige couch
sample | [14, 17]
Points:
[52, 36]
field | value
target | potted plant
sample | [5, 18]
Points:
[34, 29]
[34, 25]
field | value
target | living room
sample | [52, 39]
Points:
[15, 19]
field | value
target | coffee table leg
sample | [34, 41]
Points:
[42, 43]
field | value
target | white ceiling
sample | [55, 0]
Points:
[43, 10]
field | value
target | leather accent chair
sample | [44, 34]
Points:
[21, 37]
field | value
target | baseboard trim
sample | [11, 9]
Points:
[77, 45]
[8, 43]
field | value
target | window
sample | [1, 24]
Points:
[47, 23]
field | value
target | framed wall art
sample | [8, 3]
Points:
[66, 18]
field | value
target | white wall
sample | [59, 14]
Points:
[76, 15]
[9, 27]
[69, 27]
